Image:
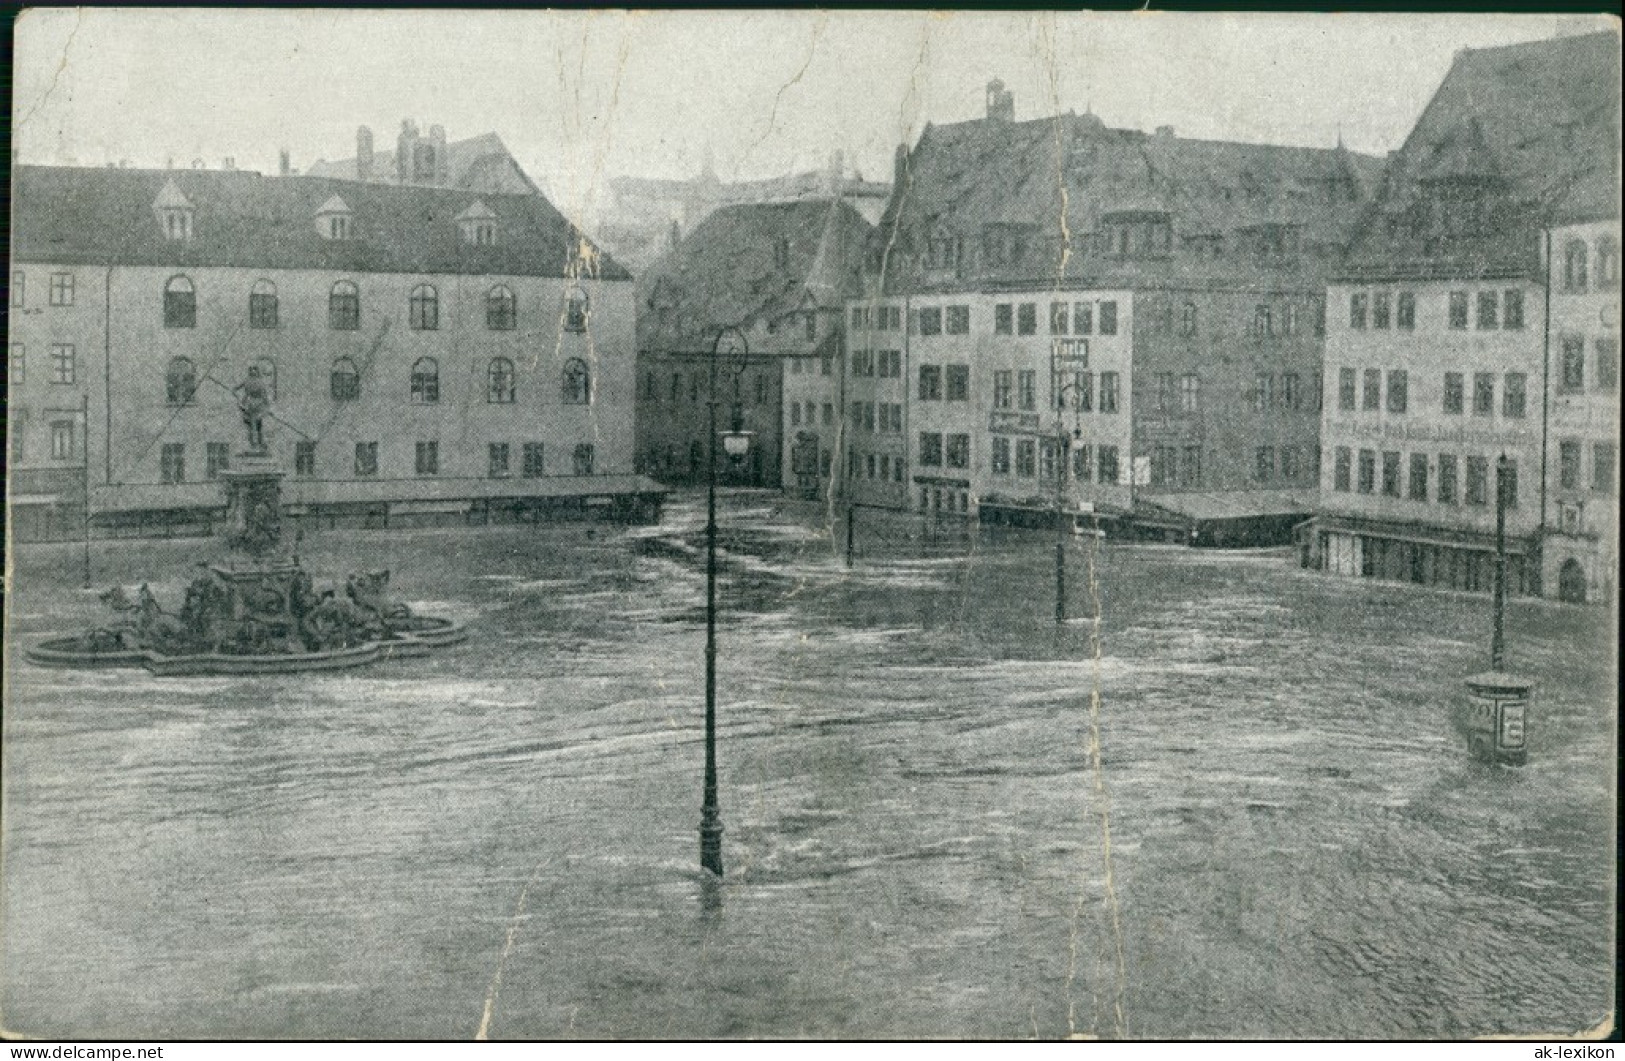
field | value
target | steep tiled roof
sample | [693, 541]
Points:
[968, 179]
[1516, 138]
[725, 273]
[106, 216]
[467, 161]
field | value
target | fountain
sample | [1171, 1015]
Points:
[256, 611]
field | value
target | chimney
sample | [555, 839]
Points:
[405, 146]
[442, 166]
[899, 166]
[1165, 132]
[284, 162]
[228, 163]
[363, 154]
[1001, 104]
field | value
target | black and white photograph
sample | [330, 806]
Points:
[811, 525]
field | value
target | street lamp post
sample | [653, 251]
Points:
[1063, 456]
[1498, 630]
[736, 442]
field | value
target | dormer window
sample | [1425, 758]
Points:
[174, 212]
[478, 225]
[335, 220]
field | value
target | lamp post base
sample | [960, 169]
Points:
[711, 841]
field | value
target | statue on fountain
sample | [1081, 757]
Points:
[254, 402]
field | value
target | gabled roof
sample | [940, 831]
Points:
[1064, 177]
[480, 163]
[335, 205]
[724, 272]
[1532, 129]
[477, 211]
[70, 215]
[171, 198]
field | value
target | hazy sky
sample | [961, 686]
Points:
[580, 97]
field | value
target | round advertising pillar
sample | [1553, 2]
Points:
[1497, 717]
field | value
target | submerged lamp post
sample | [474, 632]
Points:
[730, 343]
[1063, 468]
[1498, 702]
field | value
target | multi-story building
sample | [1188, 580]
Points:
[780, 273]
[1580, 552]
[430, 353]
[480, 163]
[1446, 341]
[1129, 324]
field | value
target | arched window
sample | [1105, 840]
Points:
[345, 381]
[267, 369]
[180, 303]
[499, 381]
[425, 381]
[577, 388]
[180, 382]
[1574, 266]
[344, 307]
[1187, 319]
[501, 310]
[577, 308]
[262, 305]
[424, 308]
[1607, 262]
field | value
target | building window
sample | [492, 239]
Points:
[1371, 397]
[423, 308]
[1368, 471]
[1405, 318]
[304, 459]
[1060, 314]
[496, 460]
[1108, 318]
[1026, 458]
[958, 451]
[1568, 463]
[1108, 464]
[344, 307]
[1574, 265]
[1190, 392]
[1263, 392]
[930, 449]
[577, 308]
[1454, 393]
[1187, 319]
[931, 320]
[62, 440]
[1340, 469]
[1345, 389]
[428, 458]
[180, 303]
[958, 379]
[576, 385]
[1419, 477]
[1027, 318]
[1447, 478]
[1398, 390]
[1190, 470]
[1108, 392]
[1003, 380]
[262, 305]
[366, 460]
[17, 364]
[999, 456]
[1381, 310]
[582, 459]
[1264, 463]
[1458, 310]
[216, 459]
[1602, 467]
[1483, 394]
[62, 363]
[1083, 318]
[1002, 319]
[781, 254]
[1083, 468]
[344, 384]
[425, 381]
[532, 466]
[1488, 303]
[1512, 309]
[958, 320]
[1027, 389]
[180, 382]
[1513, 390]
[930, 383]
[18, 281]
[1506, 476]
[1165, 391]
[1573, 376]
[61, 289]
[172, 462]
[1607, 377]
[1478, 481]
[891, 364]
[1607, 263]
[501, 310]
[1357, 310]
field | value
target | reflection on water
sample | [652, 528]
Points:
[1300, 846]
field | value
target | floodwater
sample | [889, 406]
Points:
[501, 839]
